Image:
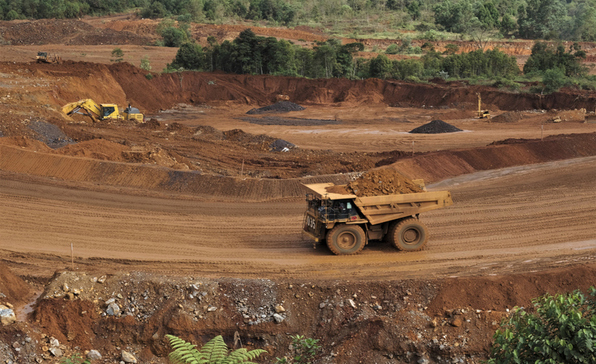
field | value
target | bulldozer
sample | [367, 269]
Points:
[45, 57]
[99, 112]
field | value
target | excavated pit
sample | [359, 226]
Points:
[180, 182]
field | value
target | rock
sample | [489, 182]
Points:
[351, 302]
[278, 318]
[113, 309]
[93, 355]
[457, 322]
[211, 309]
[279, 309]
[57, 352]
[54, 342]
[7, 316]
[128, 357]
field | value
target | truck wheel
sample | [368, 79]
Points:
[346, 239]
[409, 235]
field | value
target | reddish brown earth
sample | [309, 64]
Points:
[196, 200]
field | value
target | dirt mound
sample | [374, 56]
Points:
[435, 127]
[96, 149]
[382, 182]
[500, 293]
[12, 288]
[259, 142]
[26, 143]
[507, 117]
[70, 32]
[282, 106]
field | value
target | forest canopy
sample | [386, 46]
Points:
[530, 19]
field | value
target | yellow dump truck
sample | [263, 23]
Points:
[347, 222]
[98, 112]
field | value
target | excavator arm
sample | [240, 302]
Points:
[86, 107]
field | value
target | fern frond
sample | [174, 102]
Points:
[184, 352]
[242, 356]
[215, 350]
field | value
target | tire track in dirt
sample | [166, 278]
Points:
[526, 219]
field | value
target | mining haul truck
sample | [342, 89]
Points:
[347, 222]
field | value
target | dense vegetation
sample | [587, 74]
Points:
[561, 330]
[252, 54]
[532, 19]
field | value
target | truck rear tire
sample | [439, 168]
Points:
[346, 239]
[409, 235]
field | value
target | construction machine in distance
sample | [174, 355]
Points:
[347, 222]
[98, 112]
[45, 57]
[482, 114]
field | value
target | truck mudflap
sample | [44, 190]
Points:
[310, 236]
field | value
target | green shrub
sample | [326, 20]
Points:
[392, 49]
[304, 351]
[75, 358]
[117, 54]
[562, 330]
[553, 80]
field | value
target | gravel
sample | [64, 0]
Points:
[282, 106]
[435, 127]
[50, 134]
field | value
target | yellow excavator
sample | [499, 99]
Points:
[98, 112]
[482, 114]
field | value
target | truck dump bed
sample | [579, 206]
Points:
[380, 209]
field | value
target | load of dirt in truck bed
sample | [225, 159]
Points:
[435, 127]
[282, 106]
[384, 181]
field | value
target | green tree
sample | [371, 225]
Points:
[380, 67]
[545, 57]
[455, 16]
[541, 19]
[174, 37]
[562, 330]
[190, 56]
[118, 55]
[507, 25]
[155, 10]
[213, 352]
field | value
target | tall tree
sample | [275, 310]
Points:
[541, 19]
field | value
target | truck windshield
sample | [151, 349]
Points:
[333, 210]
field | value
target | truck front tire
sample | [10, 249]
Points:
[409, 235]
[346, 239]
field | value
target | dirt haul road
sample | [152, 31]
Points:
[499, 223]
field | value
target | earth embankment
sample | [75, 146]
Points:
[123, 83]
[431, 167]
